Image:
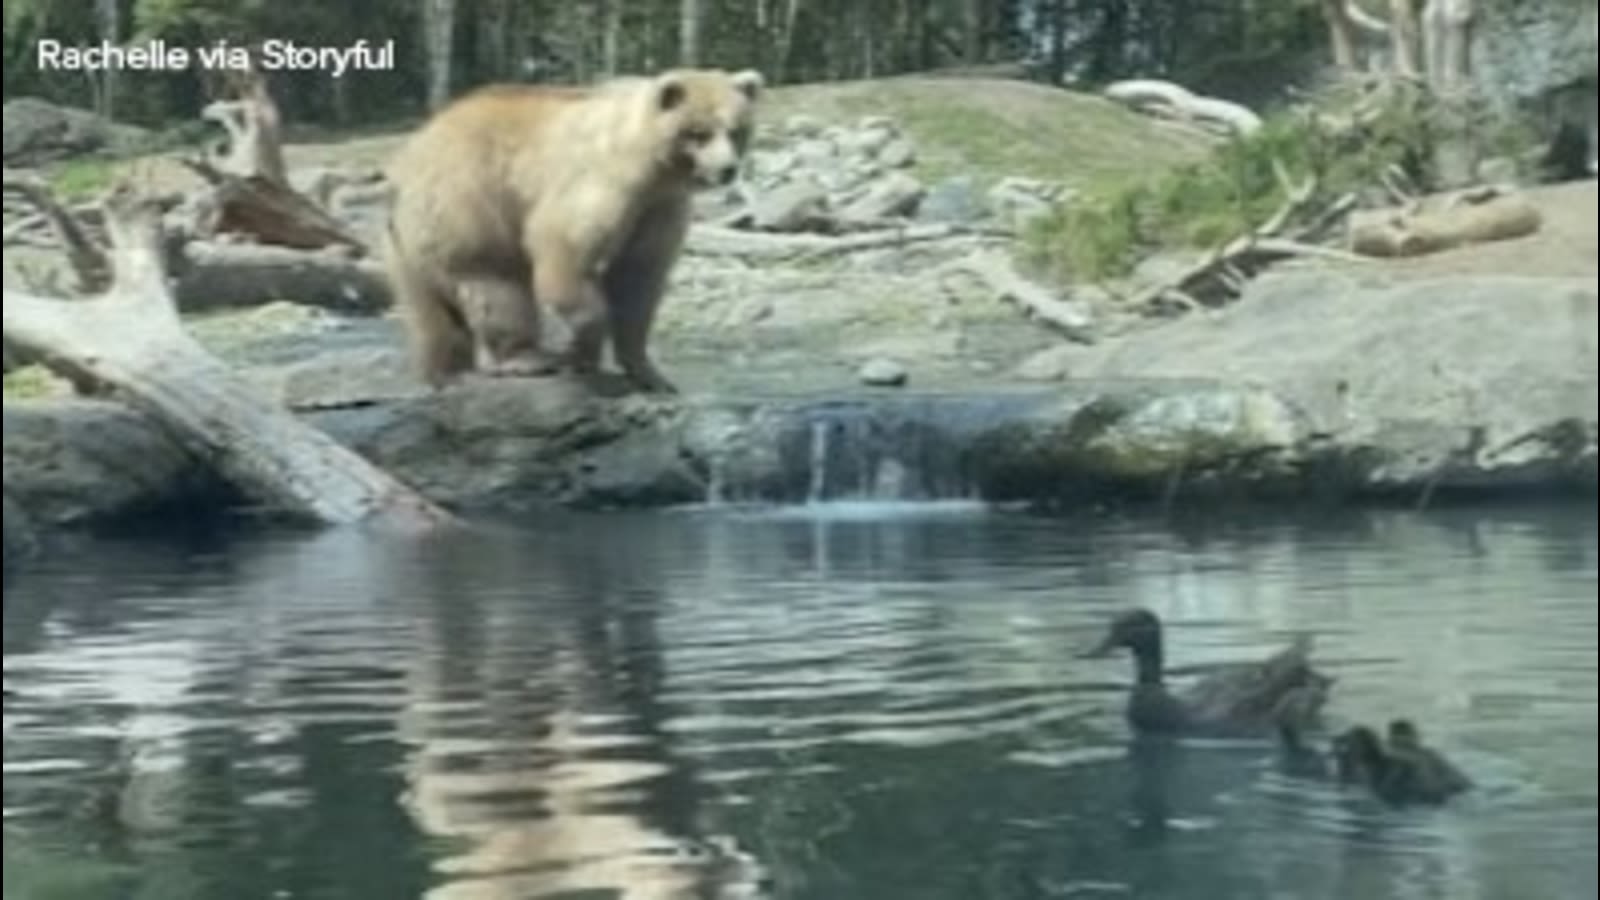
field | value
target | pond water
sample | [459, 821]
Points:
[838, 703]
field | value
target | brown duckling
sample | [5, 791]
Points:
[1422, 773]
[1404, 773]
[1243, 699]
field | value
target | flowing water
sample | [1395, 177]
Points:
[839, 702]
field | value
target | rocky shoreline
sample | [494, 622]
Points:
[1316, 386]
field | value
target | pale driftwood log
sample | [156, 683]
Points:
[998, 274]
[1173, 99]
[212, 276]
[1443, 223]
[131, 338]
[714, 240]
[266, 211]
[255, 130]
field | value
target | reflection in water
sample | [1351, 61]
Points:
[730, 704]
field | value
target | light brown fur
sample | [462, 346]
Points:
[574, 198]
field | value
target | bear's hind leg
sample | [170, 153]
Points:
[569, 290]
[439, 340]
[504, 319]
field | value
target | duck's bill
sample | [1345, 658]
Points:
[1102, 649]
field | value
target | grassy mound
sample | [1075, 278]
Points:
[990, 128]
[1242, 182]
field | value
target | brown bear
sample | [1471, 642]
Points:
[577, 198]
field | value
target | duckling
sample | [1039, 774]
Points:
[1402, 774]
[1244, 699]
[1420, 773]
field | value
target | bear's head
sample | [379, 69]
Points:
[704, 118]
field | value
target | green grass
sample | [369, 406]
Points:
[31, 382]
[989, 129]
[79, 179]
[1242, 182]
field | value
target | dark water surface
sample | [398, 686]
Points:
[827, 706]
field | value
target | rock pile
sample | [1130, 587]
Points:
[830, 178]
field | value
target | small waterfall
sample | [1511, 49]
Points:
[850, 453]
[874, 453]
[816, 490]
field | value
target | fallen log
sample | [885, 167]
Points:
[1071, 319]
[1442, 223]
[130, 337]
[212, 276]
[1149, 94]
[714, 240]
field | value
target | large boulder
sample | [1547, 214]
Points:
[1454, 380]
[38, 131]
[1525, 49]
[1539, 59]
[81, 463]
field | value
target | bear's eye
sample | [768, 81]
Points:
[697, 135]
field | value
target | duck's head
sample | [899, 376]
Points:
[1403, 735]
[1358, 754]
[1138, 630]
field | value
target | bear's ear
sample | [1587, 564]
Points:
[670, 91]
[750, 83]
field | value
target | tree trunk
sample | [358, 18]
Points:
[1406, 37]
[1341, 34]
[972, 32]
[611, 38]
[1448, 27]
[132, 339]
[791, 19]
[1058, 41]
[108, 15]
[439, 22]
[689, 32]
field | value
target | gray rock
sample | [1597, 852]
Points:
[869, 141]
[74, 463]
[775, 165]
[1019, 201]
[796, 206]
[955, 200]
[801, 126]
[337, 378]
[1498, 374]
[815, 152]
[894, 195]
[511, 445]
[38, 131]
[898, 154]
[882, 372]
[1526, 49]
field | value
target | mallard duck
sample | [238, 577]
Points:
[1243, 699]
[1402, 774]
